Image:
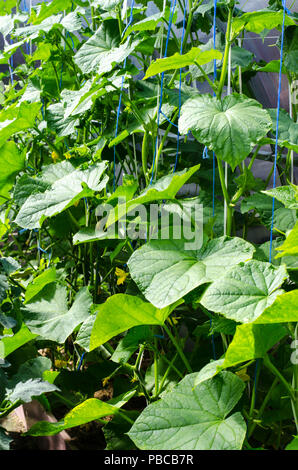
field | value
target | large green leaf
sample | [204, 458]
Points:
[122, 312]
[293, 445]
[245, 291]
[128, 345]
[177, 61]
[47, 314]
[31, 369]
[231, 127]
[11, 163]
[7, 6]
[26, 186]
[291, 49]
[263, 254]
[49, 9]
[145, 118]
[149, 23]
[252, 342]
[63, 126]
[64, 192]
[39, 283]
[165, 272]
[11, 343]
[102, 51]
[16, 119]
[208, 371]
[83, 337]
[288, 195]
[189, 418]
[25, 391]
[89, 410]
[283, 219]
[283, 310]
[257, 21]
[165, 188]
[287, 129]
[290, 246]
[70, 22]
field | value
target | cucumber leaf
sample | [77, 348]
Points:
[47, 314]
[231, 127]
[245, 291]
[189, 418]
[165, 272]
[122, 312]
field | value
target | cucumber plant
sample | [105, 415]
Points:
[182, 345]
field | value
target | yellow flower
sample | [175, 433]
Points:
[68, 156]
[55, 156]
[105, 381]
[243, 375]
[174, 320]
[134, 379]
[121, 275]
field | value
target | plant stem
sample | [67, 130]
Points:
[226, 54]
[179, 350]
[262, 408]
[256, 153]
[163, 140]
[281, 378]
[226, 196]
[144, 155]
[213, 87]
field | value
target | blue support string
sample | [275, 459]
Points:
[121, 93]
[277, 124]
[205, 153]
[213, 156]
[275, 162]
[214, 78]
[81, 361]
[172, 11]
[180, 83]
[169, 120]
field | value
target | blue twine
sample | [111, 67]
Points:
[277, 124]
[172, 11]
[214, 94]
[213, 157]
[41, 249]
[205, 153]
[169, 120]
[180, 85]
[275, 162]
[121, 93]
[44, 251]
[81, 361]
